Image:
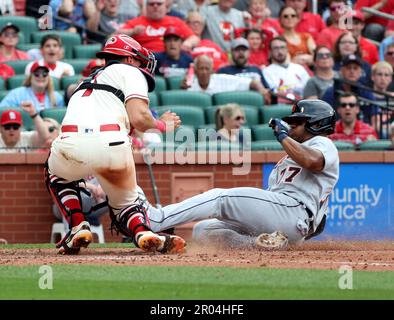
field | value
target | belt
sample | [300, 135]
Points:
[103, 127]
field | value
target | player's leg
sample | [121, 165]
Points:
[118, 180]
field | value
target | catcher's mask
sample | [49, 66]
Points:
[320, 117]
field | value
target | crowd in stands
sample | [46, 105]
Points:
[276, 48]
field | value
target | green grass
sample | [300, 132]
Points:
[182, 283]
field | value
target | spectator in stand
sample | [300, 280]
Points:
[345, 45]
[187, 6]
[38, 89]
[309, 22]
[172, 11]
[76, 11]
[173, 61]
[229, 120]
[222, 23]
[7, 8]
[284, 77]
[351, 71]
[51, 49]
[240, 68]
[11, 132]
[149, 29]
[300, 45]
[260, 18]
[6, 71]
[53, 128]
[196, 22]
[349, 128]
[9, 38]
[259, 48]
[382, 77]
[324, 74]
[384, 45]
[376, 25]
[207, 81]
[106, 18]
[389, 57]
[329, 35]
[129, 9]
[369, 52]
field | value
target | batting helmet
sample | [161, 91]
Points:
[320, 116]
[125, 46]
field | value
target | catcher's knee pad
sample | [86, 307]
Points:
[121, 221]
[61, 190]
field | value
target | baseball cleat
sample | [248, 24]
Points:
[168, 244]
[272, 241]
[79, 236]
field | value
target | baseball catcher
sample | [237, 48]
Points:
[102, 111]
[294, 207]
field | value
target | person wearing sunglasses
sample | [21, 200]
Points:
[9, 38]
[13, 138]
[38, 88]
[329, 35]
[229, 120]
[323, 74]
[348, 127]
[300, 45]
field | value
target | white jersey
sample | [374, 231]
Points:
[310, 188]
[57, 72]
[25, 141]
[103, 107]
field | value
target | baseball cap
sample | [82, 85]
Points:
[351, 58]
[240, 42]
[357, 14]
[9, 25]
[92, 66]
[173, 31]
[37, 64]
[11, 116]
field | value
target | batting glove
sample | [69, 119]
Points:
[281, 129]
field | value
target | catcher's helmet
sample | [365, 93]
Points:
[320, 116]
[125, 46]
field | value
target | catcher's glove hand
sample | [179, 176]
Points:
[281, 128]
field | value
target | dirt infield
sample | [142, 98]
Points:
[313, 255]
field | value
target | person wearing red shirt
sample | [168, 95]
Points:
[207, 47]
[329, 35]
[6, 71]
[385, 6]
[259, 48]
[9, 38]
[260, 20]
[149, 29]
[308, 22]
[369, 51]
[349, 128]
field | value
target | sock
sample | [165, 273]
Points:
[135, 220]
[69, 199]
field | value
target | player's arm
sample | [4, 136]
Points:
[141, 118]
[308, 158]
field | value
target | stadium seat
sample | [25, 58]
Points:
[174, 83]
[54, 113]
[251, 114]
[27, 46]
[28, 123]
[274, 111]
[160, 84]
[376, 145]
[182, 97]
[344, 145]
[66, 81]
[262, 132]
[19, 66]
[153, 99]
[266, 145]
[86, 51]
[78, 64]
[191, 116]
[2, 84]
[27, 25]
[251, 98]
[69, 40]
[17, 81]
[181, 135]
[3, 93]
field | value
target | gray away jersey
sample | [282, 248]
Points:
[311, 188]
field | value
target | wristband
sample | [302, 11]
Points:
[34, 115]
[160, 125]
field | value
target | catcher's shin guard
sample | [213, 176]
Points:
[66, 195]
